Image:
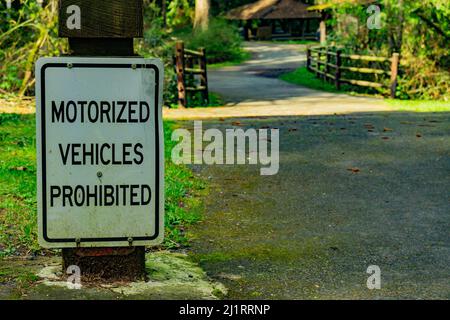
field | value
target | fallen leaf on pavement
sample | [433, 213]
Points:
[354, 170]
[19, 168]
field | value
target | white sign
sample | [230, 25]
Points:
[100, 152]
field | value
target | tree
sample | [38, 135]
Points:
[201, 20]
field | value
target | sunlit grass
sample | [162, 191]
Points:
[308, 79]
[241, 59]
[420, 105]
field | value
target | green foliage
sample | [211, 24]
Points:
[18, 213]
[180, 13]
[27, 32]
[420, 105]
[157, 43]
[419, 31]
[222, 41]
[219, 7]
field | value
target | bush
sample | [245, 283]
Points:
[27, 32]
[222, 41]
[157, 43]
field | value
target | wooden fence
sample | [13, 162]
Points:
[332, 65]
[189, 64]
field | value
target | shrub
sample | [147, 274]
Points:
[157, 43]
[27, 31]
[222, 41]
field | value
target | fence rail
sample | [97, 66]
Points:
[188, 64]
[330, 63]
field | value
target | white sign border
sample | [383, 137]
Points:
[73, 62]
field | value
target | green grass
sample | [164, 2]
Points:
[183, 204]
[420, 105]
[241, 59]
[215, 100]
[18, 207]
[305, 78]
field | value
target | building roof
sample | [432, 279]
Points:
[272, 9]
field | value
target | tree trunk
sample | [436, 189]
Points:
[323, 32]
[201, 20]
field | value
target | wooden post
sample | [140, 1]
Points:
[327, 61]
[308, 59]
[318, 63]
[338, 69]
[107, 28]
[204, 75]
[394, 73]
[179, 65]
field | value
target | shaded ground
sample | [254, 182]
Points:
[352, 191]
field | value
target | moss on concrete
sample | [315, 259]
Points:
[170, 276]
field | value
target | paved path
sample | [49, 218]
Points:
[356, 189]
[311, 231]
[253, 89]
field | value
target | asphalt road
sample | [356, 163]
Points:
[253, 89]
[361, 188]
[352, 191]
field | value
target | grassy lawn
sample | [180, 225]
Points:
[18, 221]
[244, 57]
[420, 105]
[305, 78]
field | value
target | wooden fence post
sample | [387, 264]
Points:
[318, 63]
[338, 69]
[179, 64]
[327, 61]
[394, 73]
[308, 59]
[204, 75]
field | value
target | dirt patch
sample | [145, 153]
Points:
[129, 266]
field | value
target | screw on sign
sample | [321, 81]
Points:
[100, 147]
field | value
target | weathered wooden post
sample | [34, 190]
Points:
[338, 69]
[95, 29]
[308, 59]
[318, 63]
[204, 75]
[394, 73]
[179, 65]
[327, 64]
